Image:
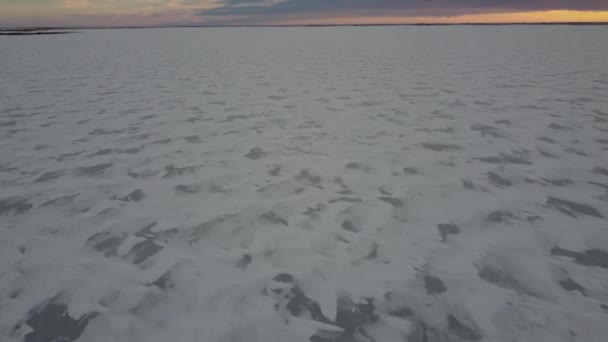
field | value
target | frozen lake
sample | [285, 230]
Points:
[305, 184]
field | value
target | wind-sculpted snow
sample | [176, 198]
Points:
[305, 184]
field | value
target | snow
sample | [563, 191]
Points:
[289, 184]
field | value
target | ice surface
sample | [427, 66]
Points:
[305, 184]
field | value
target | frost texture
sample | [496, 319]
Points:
[305, 184]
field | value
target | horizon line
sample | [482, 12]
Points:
[80, 27]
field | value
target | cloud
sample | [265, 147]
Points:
[403, 7]
[75, 3]
[254, 12]
[231, 3]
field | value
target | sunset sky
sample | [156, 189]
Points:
[285, 12]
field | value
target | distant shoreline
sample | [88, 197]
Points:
[33, 31]
[28, 30]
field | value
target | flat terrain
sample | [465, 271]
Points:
[305, 184]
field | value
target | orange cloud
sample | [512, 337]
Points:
[486, 18]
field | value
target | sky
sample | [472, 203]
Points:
[297, 12]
